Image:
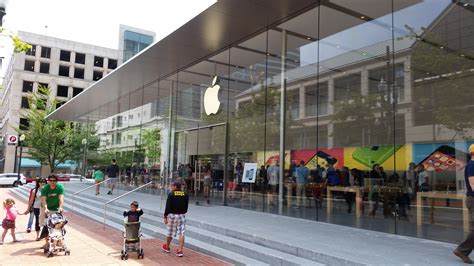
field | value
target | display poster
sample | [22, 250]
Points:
[364, 158]
[250, 173]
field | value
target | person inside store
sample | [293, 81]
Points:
[302, 175]
[332, 177]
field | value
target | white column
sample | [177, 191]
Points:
[302, 102]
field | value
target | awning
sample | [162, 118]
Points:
[31, 163]
[224, 24]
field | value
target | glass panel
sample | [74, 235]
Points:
[435, 127]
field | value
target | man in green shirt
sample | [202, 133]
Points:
[98, 177]
[52, 198]
[52, 195]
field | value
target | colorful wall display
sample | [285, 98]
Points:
[439, 157]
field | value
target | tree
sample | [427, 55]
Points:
[151, 143]
[445, 95]
[49, 141]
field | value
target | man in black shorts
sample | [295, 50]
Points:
[112, 174]
[175, 217]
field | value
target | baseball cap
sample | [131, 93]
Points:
[471, 149]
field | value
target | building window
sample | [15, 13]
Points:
[119, 121]
[32, 51]
[62, 91]
[65, 56]
[45, 52]
[118, 138]
[59, 103]
[347, 87]
[112, 64]
[29, 65]
[130, 117]
[79, 73]
[378, 81]
[134, 43]
[98, 61]
[76, 91]
[27, 86]
[317, 103]
[44, 68]
[64, 71]
[24, 124]
[97, 75]
[24, 103]
[80, 58]
[43, 85]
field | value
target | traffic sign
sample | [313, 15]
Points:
[12, 140]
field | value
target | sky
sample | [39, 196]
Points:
[97, 21]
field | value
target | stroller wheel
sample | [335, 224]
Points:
[126, 256]
[67, 252]
[50, 254]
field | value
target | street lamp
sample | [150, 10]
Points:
[84, 143]
[20, 143]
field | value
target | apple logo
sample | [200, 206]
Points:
[211, 97]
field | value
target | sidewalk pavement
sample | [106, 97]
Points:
[89, 244]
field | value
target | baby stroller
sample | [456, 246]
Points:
[56, 232]
[132, 240]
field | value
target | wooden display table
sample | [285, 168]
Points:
[440, 195]
[359, 193]
[289, 185]
[353, 189]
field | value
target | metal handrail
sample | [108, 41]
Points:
[121, 196]
[82, 190]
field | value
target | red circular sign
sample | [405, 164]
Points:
[12, 139]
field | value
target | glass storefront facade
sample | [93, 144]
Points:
[371, 97]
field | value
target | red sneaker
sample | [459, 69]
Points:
[165, 248]
[179, 253]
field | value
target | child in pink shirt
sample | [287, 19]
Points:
[10, 217]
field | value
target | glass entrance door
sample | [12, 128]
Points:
[199, 162]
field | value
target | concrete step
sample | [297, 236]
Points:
[115, 220]
[292, 249]
[152, 221]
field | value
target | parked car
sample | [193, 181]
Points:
[63, 177]
[11, 179]
[30, 179]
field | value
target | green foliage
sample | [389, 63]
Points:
[18, 45]
[151, 144]
[49, 141]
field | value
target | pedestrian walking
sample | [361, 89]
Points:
[175, 217]
[52, 200]
[9, 222]
[465, 248]
[98, 177]
[112, 174]
[34, 204]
